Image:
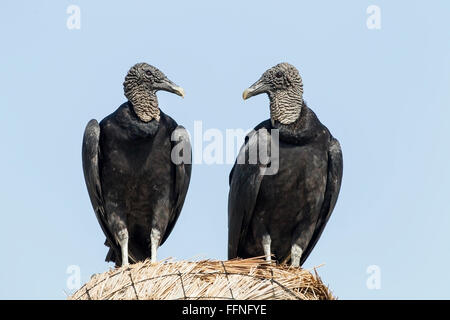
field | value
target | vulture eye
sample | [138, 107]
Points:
[279, 74]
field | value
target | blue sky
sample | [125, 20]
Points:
[383, 93]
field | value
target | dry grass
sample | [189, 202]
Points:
[248, 279]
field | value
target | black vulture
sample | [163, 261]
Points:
[136, 182]
[283, 212]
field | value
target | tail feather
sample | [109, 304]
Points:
[111, 256]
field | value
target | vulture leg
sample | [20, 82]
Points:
[119, 229]
[300, 239]
[296, 253]
[266, 246]
[155, 238]
[122, 236]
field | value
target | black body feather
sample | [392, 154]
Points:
[292, 206]
[131, 179]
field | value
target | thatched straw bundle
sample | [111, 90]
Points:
[248, 279]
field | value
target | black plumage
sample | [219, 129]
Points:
[285, 213]
[136, 190]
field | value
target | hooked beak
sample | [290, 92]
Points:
[257, 88]
[169, 86]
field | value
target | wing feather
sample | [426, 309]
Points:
[245, 181]
[91, 162]
[182, 177]
[334, 179]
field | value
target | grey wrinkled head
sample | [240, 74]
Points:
[140, 86]
[281, 77]
[143, 76]
[284, 86]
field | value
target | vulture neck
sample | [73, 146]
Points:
[145, 104]
[285, 106]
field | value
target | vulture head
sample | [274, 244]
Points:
[140, 86]
[284, 86]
